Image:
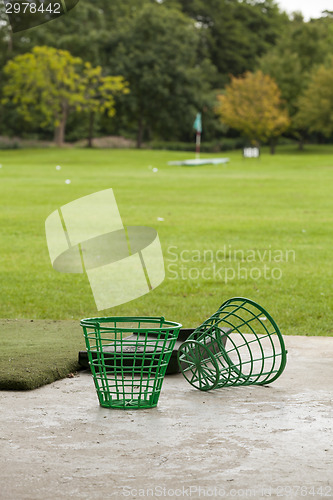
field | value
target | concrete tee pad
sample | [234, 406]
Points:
[244, 442]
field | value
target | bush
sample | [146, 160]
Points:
[6, 143]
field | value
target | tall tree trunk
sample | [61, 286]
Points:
[301, 144]
[91, 129]
[10, 41]
[272, 145]
[59, 131]
[141, 129]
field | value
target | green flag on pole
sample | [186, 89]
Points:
[198, 124]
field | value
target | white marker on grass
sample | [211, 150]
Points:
[68, 181]
[58, 167]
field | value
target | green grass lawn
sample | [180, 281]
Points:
[276, 212]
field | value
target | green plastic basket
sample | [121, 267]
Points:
[128, 358]
[238, 345]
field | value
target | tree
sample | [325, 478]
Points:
[156, 52]
[316, 104]
[252, 105]
[230, 33]
[47, 84]
[44, 81]
[286, 69]
[99, 94]
[80, 31]
[234, 33]
[83, 30]
[290, 62]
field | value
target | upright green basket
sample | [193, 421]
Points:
[128, 358]
[238, 345]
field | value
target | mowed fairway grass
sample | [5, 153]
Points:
[261, 229]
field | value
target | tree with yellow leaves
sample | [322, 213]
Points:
[47, 84]
[252, 105]
[99, 94]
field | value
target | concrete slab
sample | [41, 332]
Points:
[251, 442]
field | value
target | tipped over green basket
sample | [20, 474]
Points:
[238, 345]
[128, 357]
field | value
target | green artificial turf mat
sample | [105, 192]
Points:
[37, 352]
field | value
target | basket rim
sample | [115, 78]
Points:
[96, 323]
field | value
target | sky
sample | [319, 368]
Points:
[309, 8]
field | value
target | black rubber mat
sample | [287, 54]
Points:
[173, 366]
